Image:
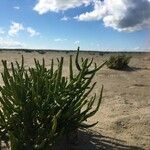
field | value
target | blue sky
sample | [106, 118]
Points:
[90, 24]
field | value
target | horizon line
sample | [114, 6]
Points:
[73, 50]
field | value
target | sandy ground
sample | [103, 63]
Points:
[124, 115]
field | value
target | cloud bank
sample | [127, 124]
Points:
[9, 43]
[121, 15]
[44, 6]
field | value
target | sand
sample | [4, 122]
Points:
[124, 115]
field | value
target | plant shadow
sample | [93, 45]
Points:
[133, 68]
[91, 140]
[129, 69]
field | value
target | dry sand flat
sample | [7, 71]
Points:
[124, 115]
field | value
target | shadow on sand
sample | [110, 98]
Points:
[91, 140]
[130, 69]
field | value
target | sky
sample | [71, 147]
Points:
[66, 24]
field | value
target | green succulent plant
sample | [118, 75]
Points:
[119, 62]
[38, 105]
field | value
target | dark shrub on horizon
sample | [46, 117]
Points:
[119, 62]
[41, 51]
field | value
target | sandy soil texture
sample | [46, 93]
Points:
[124, 115]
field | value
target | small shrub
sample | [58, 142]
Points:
[39, 105]
[28, 50]
[119, 62]
[41, 51]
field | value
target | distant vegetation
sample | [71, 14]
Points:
[119, 62]
[40, 105]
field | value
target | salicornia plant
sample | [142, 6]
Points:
[119, 62]
[39, 104]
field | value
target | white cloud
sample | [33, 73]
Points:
[65, 18]
[32, 32]
[76, 42]
[2, 31]
[121, 15]
[44, 6]
[96, 14]
[60, 40]
[10, 43]
[15, 28]
[16, 7]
